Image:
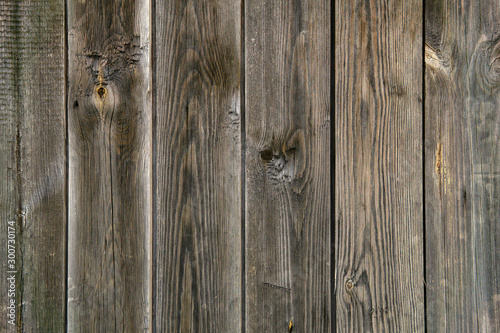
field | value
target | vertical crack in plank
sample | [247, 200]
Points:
[110, 171]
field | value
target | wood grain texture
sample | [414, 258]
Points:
[197, 167]
[462, 167]
[9, 103]
[110, 188]
[33, 159]
[378, 172]
[287, 110]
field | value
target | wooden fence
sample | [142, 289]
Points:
[170, 166]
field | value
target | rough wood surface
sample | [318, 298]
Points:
[197, 277]
[109, 126]
[378, 171]
[287, 112]
[462, 167]
[32, 159]
[9, 105]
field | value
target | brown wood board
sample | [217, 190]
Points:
[378, 241]
[287, 166]
[110, 172]
[197, 231]
[462, 166]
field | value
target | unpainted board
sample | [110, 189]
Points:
[378, 170]
[33, 164]
[197, 212]
[287, 166]
[462, 48]
[110, 166]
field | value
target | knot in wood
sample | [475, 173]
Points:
[104, 99]
[266, 155]
[101, 91]
[484, 70]
[349, 285]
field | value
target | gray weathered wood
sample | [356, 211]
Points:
[9, 103]
[109, 126]
[32, 159]
[378, 171]
[197, 277]
[462, 167]
[287, 110]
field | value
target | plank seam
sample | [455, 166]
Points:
[333, 156]
[66, 166]
[153, 166]
[423, 170]
[242, 173]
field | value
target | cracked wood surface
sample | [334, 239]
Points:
[109, 126]
[188, 162]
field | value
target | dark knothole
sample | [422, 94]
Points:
[266, 155]
[101, 92]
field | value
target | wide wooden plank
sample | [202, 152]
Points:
[33, 164]
[110, 190]
[462, 127]
[287, 112]
[378, 171]
[197, 228]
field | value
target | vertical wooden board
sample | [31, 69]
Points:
[197, 167]
[378, 172]
[287, 112]
[10, 25]
[34, 160]
[462, 165]
[109, 128]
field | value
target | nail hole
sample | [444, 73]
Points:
[101, 92]
[266, 155]
[75, 105]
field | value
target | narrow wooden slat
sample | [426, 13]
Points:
[10, 27]
[197, 167]
[109, 125]
[287, 112]
[378, 172]
[32, 159]
[462, 52]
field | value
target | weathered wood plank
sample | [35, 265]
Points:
[378, 172]
[110, 190]
[198, 161]
[287, 108]
[9, 103]
[462, 165]
[33, 162]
